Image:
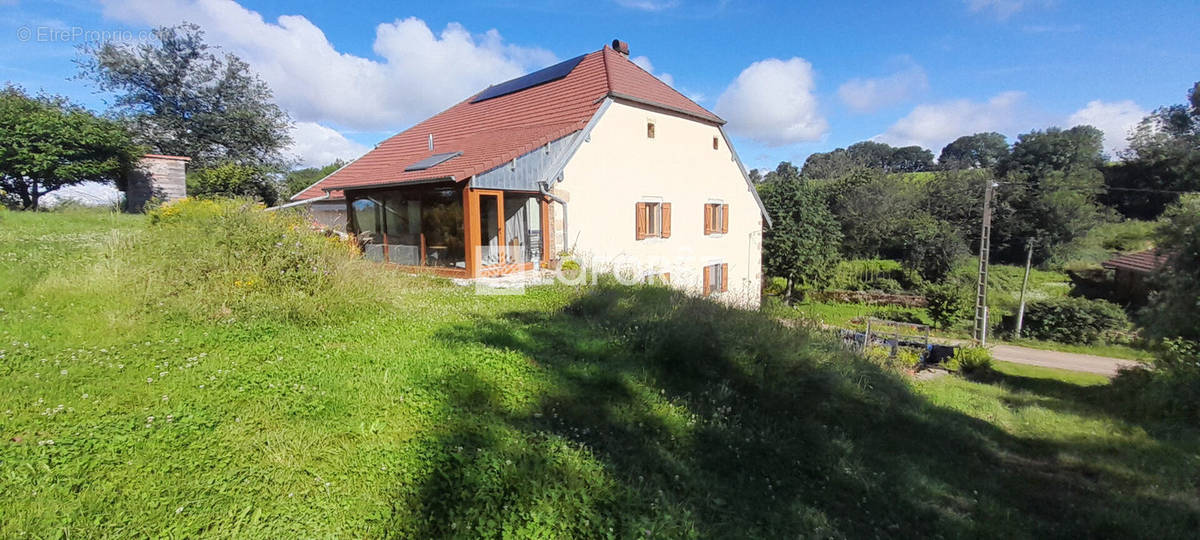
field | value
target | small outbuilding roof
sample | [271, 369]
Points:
[1142, 262]
[509, 120]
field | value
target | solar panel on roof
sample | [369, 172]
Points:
[541, 76]
[431, 161]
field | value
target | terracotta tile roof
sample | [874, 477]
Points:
[493, 131]
[1142, 262]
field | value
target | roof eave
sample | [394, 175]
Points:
[397, 183]
[711, 119]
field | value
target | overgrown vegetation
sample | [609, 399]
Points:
[408, 407]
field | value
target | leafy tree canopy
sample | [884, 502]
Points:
[232, 179]
[1163, 156]
[978, 151]
[802, 244]
[47, 143]
[299, 179]
[181, 97]
[867, 155]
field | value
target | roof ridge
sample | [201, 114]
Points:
[607, 72]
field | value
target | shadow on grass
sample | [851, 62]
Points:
[671, 416]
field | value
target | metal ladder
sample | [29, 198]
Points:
[985, 245]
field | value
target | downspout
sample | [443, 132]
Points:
[543, 187]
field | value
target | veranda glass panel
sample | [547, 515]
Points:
[368, 220]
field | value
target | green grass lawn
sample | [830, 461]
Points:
[419, 409]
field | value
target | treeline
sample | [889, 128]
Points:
[1052, 187]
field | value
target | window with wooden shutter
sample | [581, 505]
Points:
[724, 277]
[715, 278]
[666, 219]
[724, 218]
[642, 223]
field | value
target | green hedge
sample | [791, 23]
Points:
[1073, 320]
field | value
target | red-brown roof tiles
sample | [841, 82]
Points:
[1142, 262]
[494, 131]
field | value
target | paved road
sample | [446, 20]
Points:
[1061, 360]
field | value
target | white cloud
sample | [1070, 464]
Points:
[932, 126]
[869, 95]
[644, 63]
[648, 5]
[314, 145]
[1115, 119]
[419, 72]
[1002, 9]
[772, 102]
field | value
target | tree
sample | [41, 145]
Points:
[910, 159]
[828, 164]
[1172, 310]
[784, 171]
[801, 245]
[978, 151]
[232, 179]
[300, 179]
[1163, 156]
[47, 143]
[1051, 186]
[870, 154]
[181, 98]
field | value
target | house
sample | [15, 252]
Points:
[1130, 272]
[592, 159]
[157, 177]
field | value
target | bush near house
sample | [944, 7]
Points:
[1073, 320]
[949, 304]
[970, 360]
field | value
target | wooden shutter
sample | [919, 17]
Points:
[640, 224]
[666, 220]
[707, 276]
[666, 278]
[724, 218]
[724, 277]
[708, 219]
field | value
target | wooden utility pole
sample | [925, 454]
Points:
[985, 245]
[1024, 284]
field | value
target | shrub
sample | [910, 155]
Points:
[223, 258]
[1073, 320]
[970, 360]
[1171, 390]
[893, 313]
[874, 275]
[948, 305]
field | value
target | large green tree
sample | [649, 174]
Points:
[1163, 157]
[1173, 308]
[47, 143]
[182, 97]
[978, 151]
[801, 245]
[1049, 190]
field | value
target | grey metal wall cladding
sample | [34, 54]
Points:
[529, 169]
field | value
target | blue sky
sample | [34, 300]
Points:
[791, 78]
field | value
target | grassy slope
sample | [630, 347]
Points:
[568, 413]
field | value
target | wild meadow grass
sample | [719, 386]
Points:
[221, 371]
